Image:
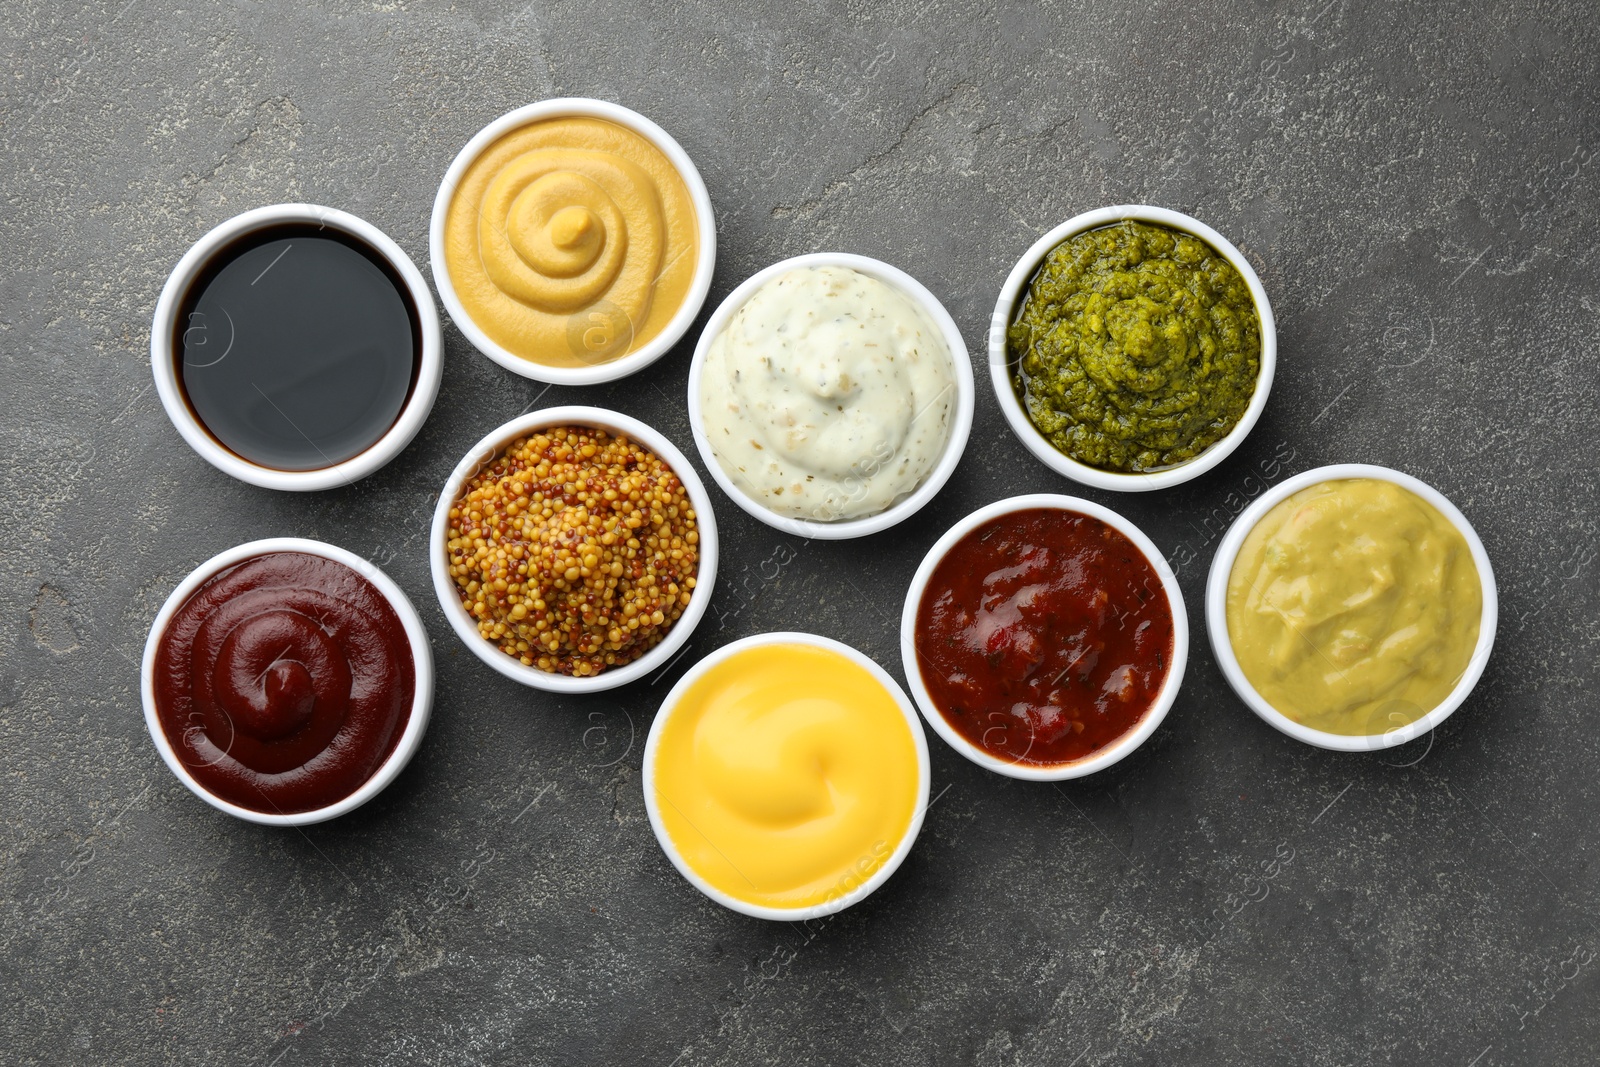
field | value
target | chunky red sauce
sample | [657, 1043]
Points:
[1044, 636]
[284, 682]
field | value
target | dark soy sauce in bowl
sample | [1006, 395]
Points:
[297, 347]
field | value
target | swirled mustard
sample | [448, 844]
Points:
[571, 241]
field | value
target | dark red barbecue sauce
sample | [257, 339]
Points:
[1044, 636]
[284, 682]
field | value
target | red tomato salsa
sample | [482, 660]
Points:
[1044, 636]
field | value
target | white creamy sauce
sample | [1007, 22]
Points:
[828, 395]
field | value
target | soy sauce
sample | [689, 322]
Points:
[297, 347]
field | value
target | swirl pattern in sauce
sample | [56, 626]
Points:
[571, 241]
[828, 395]
[786, 775]
[284, 682]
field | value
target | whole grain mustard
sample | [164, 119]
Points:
[575, 550]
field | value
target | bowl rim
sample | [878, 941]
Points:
[1216, 608]
[1124, 745]
[430, 362]
[902, 848]
[421, 658]
[484, 452]
[960, 425]
[706, 227]
[1017, 416]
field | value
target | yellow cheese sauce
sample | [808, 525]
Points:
[571, 241]
[786, 775]
[1354, 606]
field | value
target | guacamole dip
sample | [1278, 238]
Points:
[1354, 606]
[1135, 347]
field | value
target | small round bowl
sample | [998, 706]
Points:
[1124, 744]
[485, 452]
[421, 659]
[1217, 610]
[961, 415]
[163, 361]
[759, 911]
[1017, 415]
[644, 355]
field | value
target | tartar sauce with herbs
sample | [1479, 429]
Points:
[828, 395]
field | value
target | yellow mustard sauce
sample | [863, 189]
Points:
[571, 241]
[1353, 606]
[786, 775]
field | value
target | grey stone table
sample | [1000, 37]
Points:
[1416, 184]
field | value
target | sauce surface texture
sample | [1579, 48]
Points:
[827, 395]
[1354, 606]
[786, 775]
[1135, 347]
[1043, 636]
[575, 550]
[284, 682]
[571, 241]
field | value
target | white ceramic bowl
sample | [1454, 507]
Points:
[163, 360]
[877, 878]
[1217, 610]
[485, 452]
[421, 659]
[1124, 744]
[961, 411]
[1017, 415]
[699, 286]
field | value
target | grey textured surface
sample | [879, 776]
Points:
[1416, 184]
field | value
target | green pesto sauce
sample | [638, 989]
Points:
[1135, 347]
